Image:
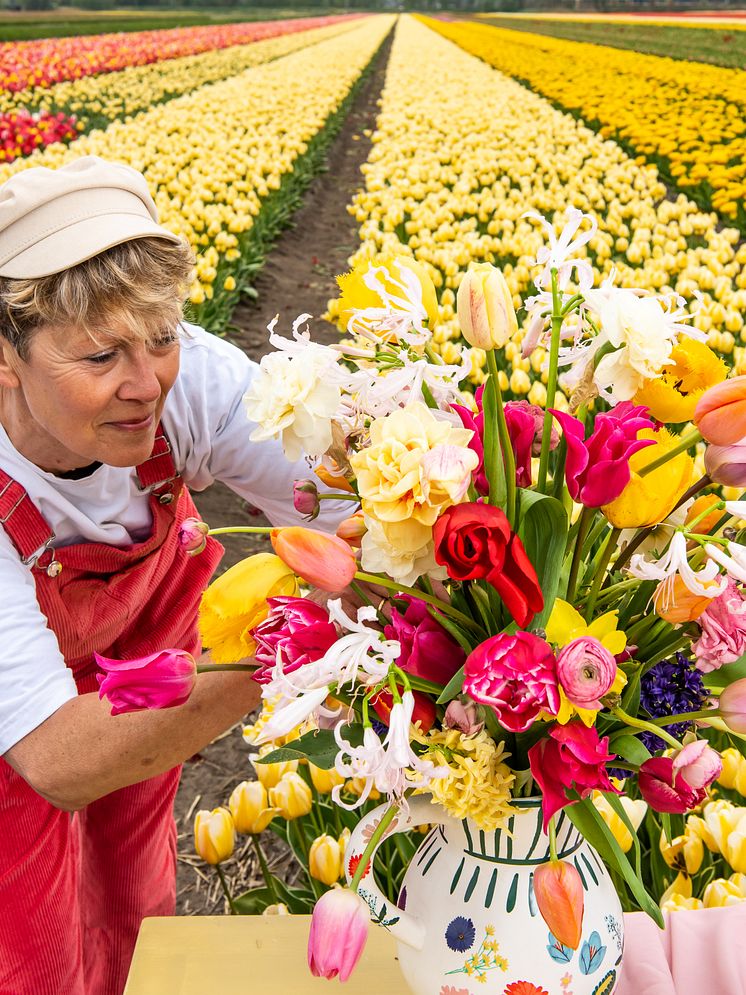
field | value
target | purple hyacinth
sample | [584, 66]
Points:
[670, 688]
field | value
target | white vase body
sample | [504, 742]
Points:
[467, 920]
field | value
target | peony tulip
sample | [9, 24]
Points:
[237, 602]
[249, 807]
[306, 499]
[664, 791]
[339, 929]
[192, 536]
[325, 860]
[484, 303]
[723, 630]
[324, 561]
[292, 796]
[720, 414]
[586, 671]
[732, 706]
[159, 680]
[214, 835]
[560, 898]
[296, 632]
[727, 464]
[271, 774]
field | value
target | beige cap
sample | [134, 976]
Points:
[52, 219]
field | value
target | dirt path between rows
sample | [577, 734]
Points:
[298, 276]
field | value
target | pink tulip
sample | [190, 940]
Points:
[192, 536]
[559, 895]
[322, 560]
[296, 632]
[160, 680]
[732, 706]
[727, 464]
[427, 650]
[339, 929]
[698, 764]
[306, 498]
[586, 671]
[666, 790]
[720, 414]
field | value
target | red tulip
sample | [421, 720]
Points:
[322, 560]
[424, 709]
[560, 898]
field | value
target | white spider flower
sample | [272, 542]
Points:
[674, 562]
[561, 253]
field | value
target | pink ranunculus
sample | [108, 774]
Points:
[597, 468]
[516, 676]
[426, 648]
[296, 631]
[464, 717]
[698, 764]
[159, 680]
[192, 536]
[723, 625]
[570, 757]
[586, 671]
[339, 929]
[666, 790]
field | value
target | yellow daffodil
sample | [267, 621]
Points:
[672, 397]
[650, 499]
[237, 602]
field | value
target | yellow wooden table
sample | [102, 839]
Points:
[200, 955]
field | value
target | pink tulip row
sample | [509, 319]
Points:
[21, 132]
[51, 60]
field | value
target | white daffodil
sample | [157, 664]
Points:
[703, 583]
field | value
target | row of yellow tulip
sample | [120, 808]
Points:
[461, 152]
[688, 117]
[212, 158]
[108, 96]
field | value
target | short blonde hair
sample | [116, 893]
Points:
[137, 284]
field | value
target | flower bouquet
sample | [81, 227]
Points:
[511, 591]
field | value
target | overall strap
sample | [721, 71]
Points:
[159, 471]
[24, 523]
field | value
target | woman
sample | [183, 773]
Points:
[110, 408]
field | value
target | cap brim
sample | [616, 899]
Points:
[80, 241]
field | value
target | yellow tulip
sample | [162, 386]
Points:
[214, 835]
[356, 295]
[680, 903]
[292, 796]
[356, 786]
[236, 602]
[683, 853]
[343, 840]
[272, 774]
[324, 781]
[280, 909]
[486, 314]
[325, 860]
[249, 807]
[694, 368]
[732, 763]
[681, 885]
[648, 500]
[721, 893]
[635, 810]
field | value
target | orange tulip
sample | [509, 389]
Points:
[559, 896]
[675, 603]
[720, 414]
[324, 561]
[707, 524]
[352, 529]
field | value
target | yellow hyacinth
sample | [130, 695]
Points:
[694, 368]
[237, 602]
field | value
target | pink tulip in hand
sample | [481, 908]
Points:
[160, 680]
[339, 929]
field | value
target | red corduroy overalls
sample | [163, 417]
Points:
[74, 889]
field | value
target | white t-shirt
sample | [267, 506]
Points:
[206, 423]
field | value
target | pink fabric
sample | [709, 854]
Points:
[700, 951]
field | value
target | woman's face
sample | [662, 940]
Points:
[76, 401]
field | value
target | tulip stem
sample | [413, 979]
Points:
[339, 496]
[546, 434]
[266, 873]
[586, 517]
[552, 840]
[240, 528]
[377, 835]
[598, 579]
[218, 668]
[687, 441]
[505, 444]
[226, 890]
[429, 599]
[669, 720]
[636, 723]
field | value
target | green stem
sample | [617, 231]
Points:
[586, 517]
[241, 528]
[423, 596]
[226, 890]
[337, 496]
[552, 840]
[383, 825]
[504, 436]
[669, 720]
[636, 723]
[598, 579]
[266, 873]
[546, 435]
[217, 668]
[687, 442]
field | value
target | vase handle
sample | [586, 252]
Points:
[421, 810]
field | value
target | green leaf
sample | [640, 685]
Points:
[620, 810]
[587, 819]
[629, 747]
[719, 679]
[494, 467]
[543, 531]
[256, 900]
[453, 628]
[452, 688]
[318, 746]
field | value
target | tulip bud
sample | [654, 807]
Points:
[463, 717]
[292, 796]
[635, 810]
[339, 929]
[324, 781]
[559, 897]
[323, 561]
[192, 536]
[679, 903]
[159, 680]
[280, 909]
[353, 529]
[681, 887]
[249, 808]
[720, 414]
[272, 774]
[423, 713]
[732, 762]
[664, 789]
[700, 504]
[485, 308]
[721, 893]
[214, 835]
[732, 706]
[727, 464]
[306, 499]
[344, 839]
[325, 860]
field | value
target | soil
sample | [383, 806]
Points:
[298, 276]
